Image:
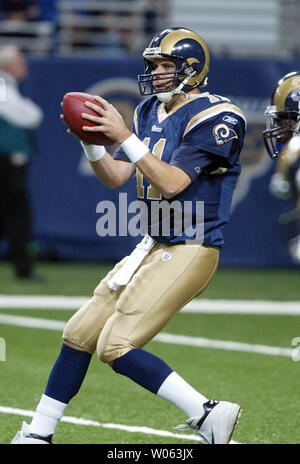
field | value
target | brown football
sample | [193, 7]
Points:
[72, 106]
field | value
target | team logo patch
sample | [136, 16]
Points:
[223, 134]
[166, 256]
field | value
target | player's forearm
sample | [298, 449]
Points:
[112, 173]
[169, 180]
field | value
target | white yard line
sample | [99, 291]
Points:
[87, 422]
[125, 428]
[222, 344]
[41, 301]
[39, 323]
[288, 308]
[32, 322]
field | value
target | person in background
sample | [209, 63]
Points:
[20, 10]
[282, 141]
[19, 117]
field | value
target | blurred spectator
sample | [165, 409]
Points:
[21, 10]
[156, 12]
[19, 116]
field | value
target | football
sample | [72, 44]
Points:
[73, 106]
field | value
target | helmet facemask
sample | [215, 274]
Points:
[280, 127]
[283, 114]
[182, 71]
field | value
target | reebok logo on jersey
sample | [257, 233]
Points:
[230, 119]
[154, 128]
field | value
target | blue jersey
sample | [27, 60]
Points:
[203, 137]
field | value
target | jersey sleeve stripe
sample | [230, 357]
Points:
[211, 112]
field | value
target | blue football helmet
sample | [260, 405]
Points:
[283, 114]
[189, 52]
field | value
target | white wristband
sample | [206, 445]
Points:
[134, 148]
[93, 152]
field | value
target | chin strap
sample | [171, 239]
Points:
[166, 97]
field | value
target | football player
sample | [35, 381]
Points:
[282, 141]
[184, 147]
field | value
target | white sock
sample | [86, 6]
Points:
[47, 416]
[176, 390]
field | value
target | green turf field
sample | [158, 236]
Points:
[266, 386]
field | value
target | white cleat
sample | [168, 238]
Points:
[26, 437]
[217, 424]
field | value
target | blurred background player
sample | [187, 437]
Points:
[282, 141]
[197, 138]
[19, 117]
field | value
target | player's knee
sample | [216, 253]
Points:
[67, 334]
[103, 356]
[108, 352]
[71, 337]
[113, 342]
[74, 346]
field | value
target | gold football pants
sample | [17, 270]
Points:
[114, 322]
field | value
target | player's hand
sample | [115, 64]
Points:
[109, 121]
[68, 130]
[62, 118]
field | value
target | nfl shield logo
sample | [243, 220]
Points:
[166, 256]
